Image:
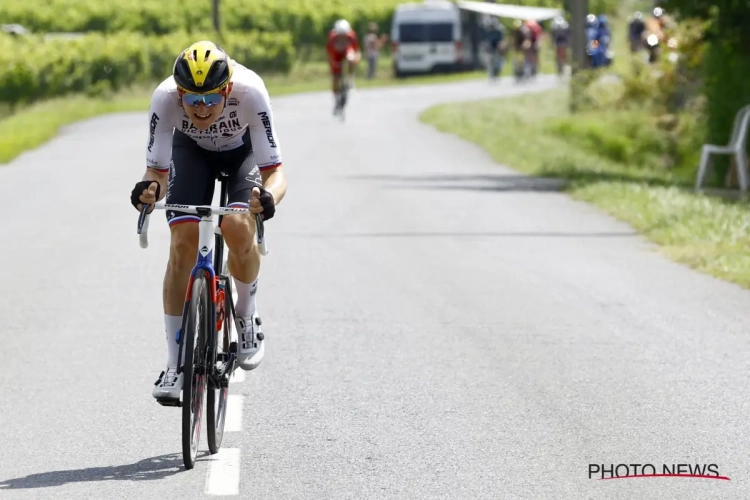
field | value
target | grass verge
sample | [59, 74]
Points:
[709, 234]
[41, 122]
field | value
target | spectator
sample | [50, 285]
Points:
[373, 44]
[496, 46]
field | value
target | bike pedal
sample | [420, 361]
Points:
[233, 347]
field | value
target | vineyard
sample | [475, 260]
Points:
[33, 68]
[307, 20]
[134, 41]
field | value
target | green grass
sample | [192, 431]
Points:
[35, 124]
[709, 234]
[41, 121]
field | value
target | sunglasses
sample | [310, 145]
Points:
[207, 99]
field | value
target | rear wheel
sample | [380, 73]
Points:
[341, 98]
[194, 380]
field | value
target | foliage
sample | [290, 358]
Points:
[608, 7]
[671, 85]
[308, 20]
[653, 117]
[726, 62]
[36, 68]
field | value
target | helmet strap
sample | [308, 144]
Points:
[226, 93]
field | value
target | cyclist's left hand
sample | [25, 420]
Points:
[262, 202]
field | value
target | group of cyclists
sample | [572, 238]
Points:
[525, 39]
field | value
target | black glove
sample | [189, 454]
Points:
[268, 203]
[135, 195]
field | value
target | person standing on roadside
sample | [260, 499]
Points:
[373, 44]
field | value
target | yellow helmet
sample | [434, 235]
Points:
[202, 68]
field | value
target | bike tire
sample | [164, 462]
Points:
[217, 398]
[194, 380]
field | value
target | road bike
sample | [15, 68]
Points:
[206, 326]
[342, 95]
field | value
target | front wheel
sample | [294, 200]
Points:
[217, 397]
[194, 379]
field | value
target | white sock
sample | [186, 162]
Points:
[245, 306]
[172, 324]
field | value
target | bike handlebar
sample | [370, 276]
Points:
[201, 210]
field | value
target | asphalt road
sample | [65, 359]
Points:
[438, 327]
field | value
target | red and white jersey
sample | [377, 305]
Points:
[338, 46]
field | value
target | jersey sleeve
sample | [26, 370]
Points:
[160, 129]
[266, 147]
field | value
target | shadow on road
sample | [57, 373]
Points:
[148, 469]
[552, 180]
[489, 234]
[483, 182]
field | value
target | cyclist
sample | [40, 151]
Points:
[211, 115]
[560, 31]
[496, 47]
[636, 27]
[342, 44]
[522, 44]
[536, 40]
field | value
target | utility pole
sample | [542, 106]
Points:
[216, 15]
[579, 9]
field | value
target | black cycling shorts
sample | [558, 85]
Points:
[194, 171]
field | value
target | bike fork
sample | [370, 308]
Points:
[206, 242]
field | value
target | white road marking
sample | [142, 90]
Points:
[224, 473]
[233, 422]
[237, 376]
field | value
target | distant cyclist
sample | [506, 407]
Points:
[496, 48]
[536, 40]
[211, 115]
[342, 44]
[636, 27]
[522, 45]
[560, 32]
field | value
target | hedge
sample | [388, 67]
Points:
[308, 20]
[34, 68]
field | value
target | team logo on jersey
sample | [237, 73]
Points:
[233, 101]
[227, 128]
[152, 130]
[267, 124]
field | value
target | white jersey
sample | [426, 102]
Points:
[248, 107]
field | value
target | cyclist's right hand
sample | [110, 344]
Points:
[145, 192]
